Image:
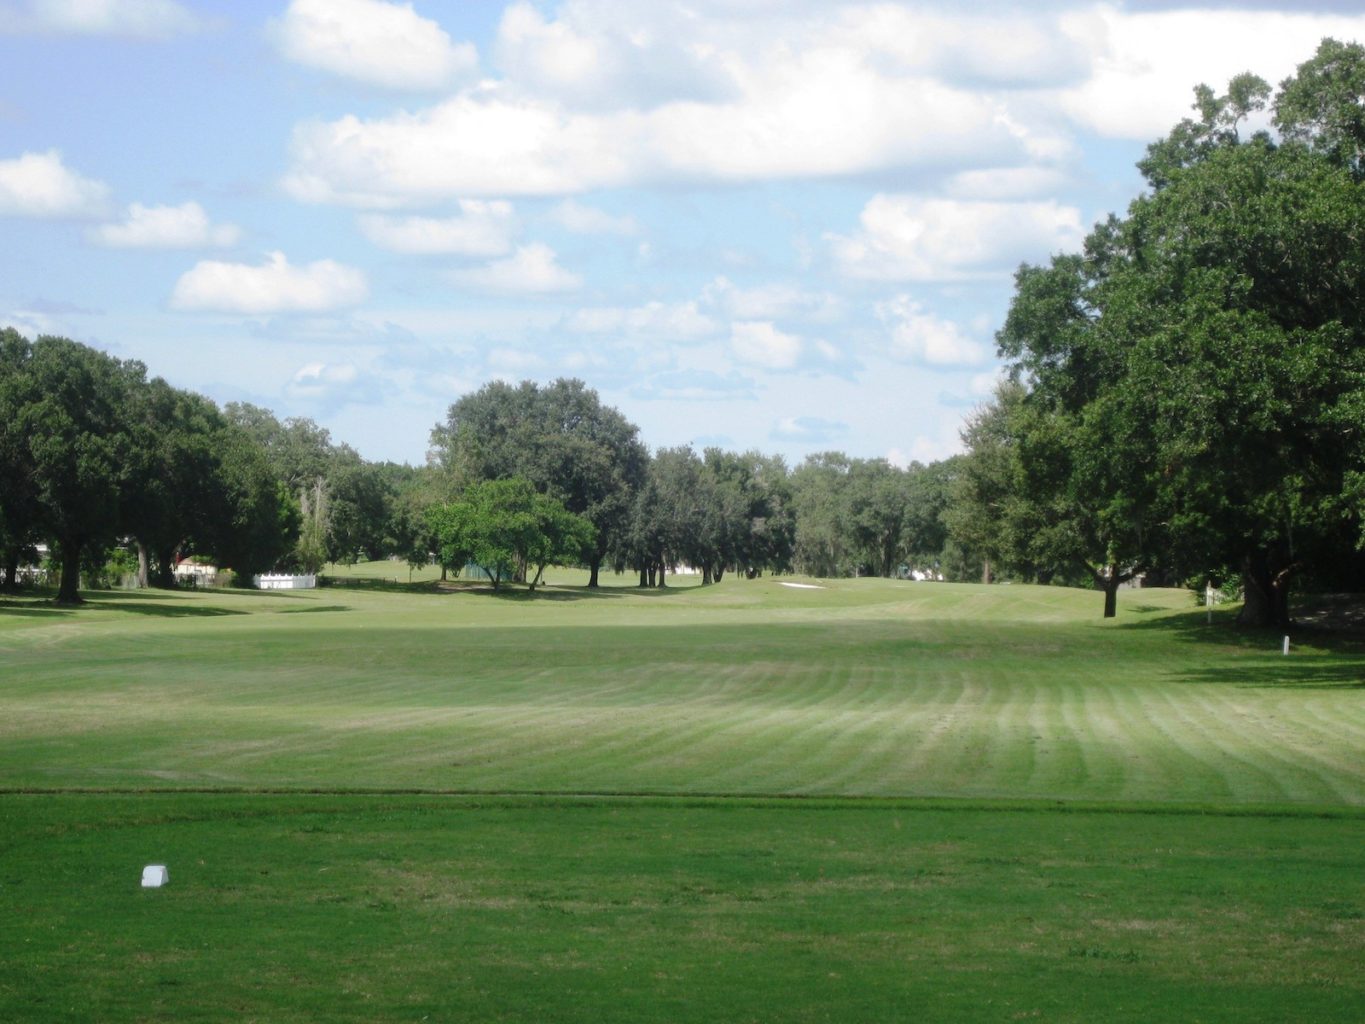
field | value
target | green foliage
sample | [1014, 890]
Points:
[310, 550]
[506, 527]
[1194, 381]
[560, 438]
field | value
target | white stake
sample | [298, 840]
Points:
[1286, 646]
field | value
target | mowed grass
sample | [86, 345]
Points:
[873, 801]
[375, 909]
[863, 688]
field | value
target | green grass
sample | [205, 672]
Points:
[285, 908]
[863, 688]
[872, 801]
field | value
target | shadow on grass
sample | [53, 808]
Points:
[1222, 630]
[155, 604]
[318, 608]
[1291, 675]
[33, 608]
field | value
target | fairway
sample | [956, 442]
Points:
[871, 800]
[862, 688]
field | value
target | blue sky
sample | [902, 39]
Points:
[789, 226]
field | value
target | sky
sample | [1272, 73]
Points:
[785, 226]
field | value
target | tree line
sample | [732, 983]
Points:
[97, 457]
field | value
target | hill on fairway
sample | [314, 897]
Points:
[859, 687]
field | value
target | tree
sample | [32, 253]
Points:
[360, 503]
[560, 438]
[506, 525]
[20, 514]
[173, 489]
[1202, 368]
[258, 519]
[823, 546]
[310, 550]
[72, 415]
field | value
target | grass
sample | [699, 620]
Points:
[871, 801]
[863, 688]
[284, 908]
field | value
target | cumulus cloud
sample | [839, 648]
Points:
[1146, 64]
[166, 227]
[532, 270]
[331, 386]
[920, 337]
[695, 386]
[482, 228]
[652, 321]
[273, 287]
[808, 430]
[800, 100]
[588, 220]
[760, 343]
[384, 44]
[142, 19]
[40, 185]
[604, 55]
[770, 301]
[909, 238]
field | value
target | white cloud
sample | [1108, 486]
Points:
[383, 44]
[652, 321]
[608, 55]
[769, 301]
[920, 337]
[273, 287]
[533, 269]
[1146, 64]
[808, 430]
[695, 386]
[907, 238]
[759, 343]
[39, 185]
[166, 227]
[799, 100]
[483, 228]
[143, 19]
[333, 385]
[588, 220]
[510, 362]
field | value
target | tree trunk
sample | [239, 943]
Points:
[1265, 589]
[69, 592]
[645, 581]
[720, 571]
[662, 583]
[164, 577]
[1111, 592]
[142, 560]
[593, 566]
[705, 575]
[11, 582]
[986, 571]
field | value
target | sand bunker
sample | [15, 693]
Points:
[804, 586]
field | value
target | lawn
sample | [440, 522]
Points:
[871, 801]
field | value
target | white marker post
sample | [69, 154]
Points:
[1286, 647]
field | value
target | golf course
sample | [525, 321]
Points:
[844, 800]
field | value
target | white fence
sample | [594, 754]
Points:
[276, 582]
